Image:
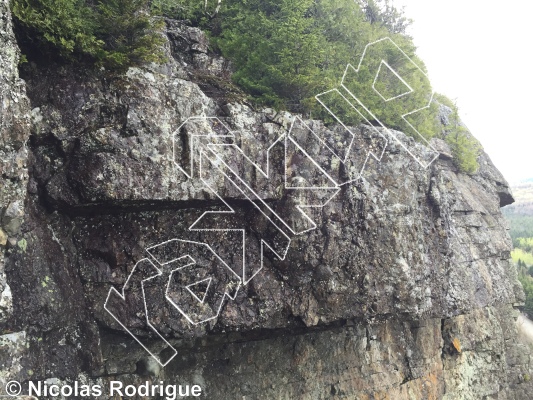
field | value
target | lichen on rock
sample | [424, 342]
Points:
[403, 289]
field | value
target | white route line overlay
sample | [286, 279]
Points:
[230, 210]
[250, 195]
[389, 131]
[348, 152]
[123, 297]
[193, 262]
[383, 62]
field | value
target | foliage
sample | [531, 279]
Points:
[525, 244]
[277, 49]
[384, 13]
[286, 52]
[65, 26]
[526, 279]
[523, 256]
[521, 226]
[444, 100]
[113, 33]
[192, 10]
[527, 284]
[128, 33]
[464, 146]
[521, 231]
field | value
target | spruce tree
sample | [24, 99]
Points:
[113, 33]
[464, 146]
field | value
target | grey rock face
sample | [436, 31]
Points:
[403, 289]
[14, 133]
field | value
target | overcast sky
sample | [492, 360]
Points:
[479, 53]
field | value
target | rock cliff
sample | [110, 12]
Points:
[397, 285]
[14, 134]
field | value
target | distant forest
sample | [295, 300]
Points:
[520, 217]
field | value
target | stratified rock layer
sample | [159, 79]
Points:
[402, 290]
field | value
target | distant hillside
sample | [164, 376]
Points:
[523, 194]
[520, 213]
[524, 191]
[520, 218]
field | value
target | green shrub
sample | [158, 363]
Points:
[276, 48]
[192, 10]
[285, 52]
[527, 284]
[465, 148]
[63, 26]
[112, 33]
[128, 33]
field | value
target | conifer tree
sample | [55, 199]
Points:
[277, 49]
[128, 33]
[464, 146]
[65, 27]
[113, 33]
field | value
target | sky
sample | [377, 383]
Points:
[480, 53]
